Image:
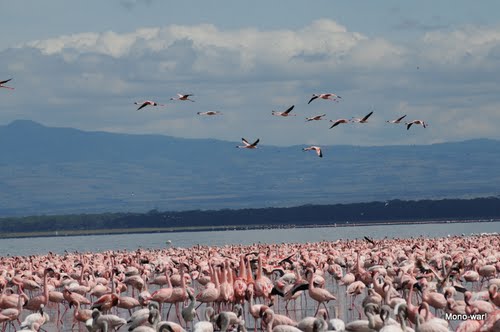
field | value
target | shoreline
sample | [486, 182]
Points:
[119, 231]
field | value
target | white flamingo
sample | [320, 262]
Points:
[248, 145]
[147, 103]
[331, 96]
[398, 120]
[417, 122]
[337, 122]
[316, 117]
[6, 87]
[183, 97]
[315, 148]
[285, 113]
[209, 113]
[362, 120]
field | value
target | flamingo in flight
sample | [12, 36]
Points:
[147, 103]
[248, 145]
[337, 122]
[6, 87]
[315, 118]
[183, 97]
[362, 120]
[418, 122]
[209, 113]
[331, 96]
[398, 120]
[315, 148]
[285, 113]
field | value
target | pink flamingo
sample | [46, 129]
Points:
[285, 113]
[182, 97]
[147, 103]
[398, 120]
[248, 145]
[209, 113]
[416, 122]
[320, 295]
[337, 122]
[331, 96]
[315, 148]
[362, 120]
[35, 303]
[6, 87]
[316, 118]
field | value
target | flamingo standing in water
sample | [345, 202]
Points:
[331, 96]
[6, 87]
[248, 145]
[147, 103]
[398, 120]
[337, 122]
[182, 97]
[319, 295]
[315, 118]
[315, 148]
[419, 122]
[285, 113]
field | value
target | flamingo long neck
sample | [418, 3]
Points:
[216, 277]
[183, 281]
[45, 288]
[410, 306]
[259, 267]
[242, 272]
[387, 290]
[269, 326]
[229, 272]
[169, 282]
[311, 280]
[371, 320]
[75, 311]
[249, 273]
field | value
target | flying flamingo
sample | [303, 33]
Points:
[147, 103]
[419, 122]
[182, 97]
[315, 118]
[398, 120]
[6, 87]
[285, 113]
[362, 120]
[337, 122]
[248, 145]
[315, 148]
[209, 113]
[332, 96]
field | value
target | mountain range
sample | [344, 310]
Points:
[47, 170]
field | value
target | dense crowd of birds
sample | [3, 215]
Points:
[358, 286]
[286, 113]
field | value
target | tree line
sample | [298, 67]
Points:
[389, 211]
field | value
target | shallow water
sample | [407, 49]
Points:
[42, 245]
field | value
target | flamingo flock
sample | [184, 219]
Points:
[286, 113]
[416, 284]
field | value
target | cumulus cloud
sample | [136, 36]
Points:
[90, 81]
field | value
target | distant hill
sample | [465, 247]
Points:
[46, 170]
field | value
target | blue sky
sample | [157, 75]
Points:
[82, 64]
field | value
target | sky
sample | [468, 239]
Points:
[83, 64]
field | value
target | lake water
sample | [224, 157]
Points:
[41, 245]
